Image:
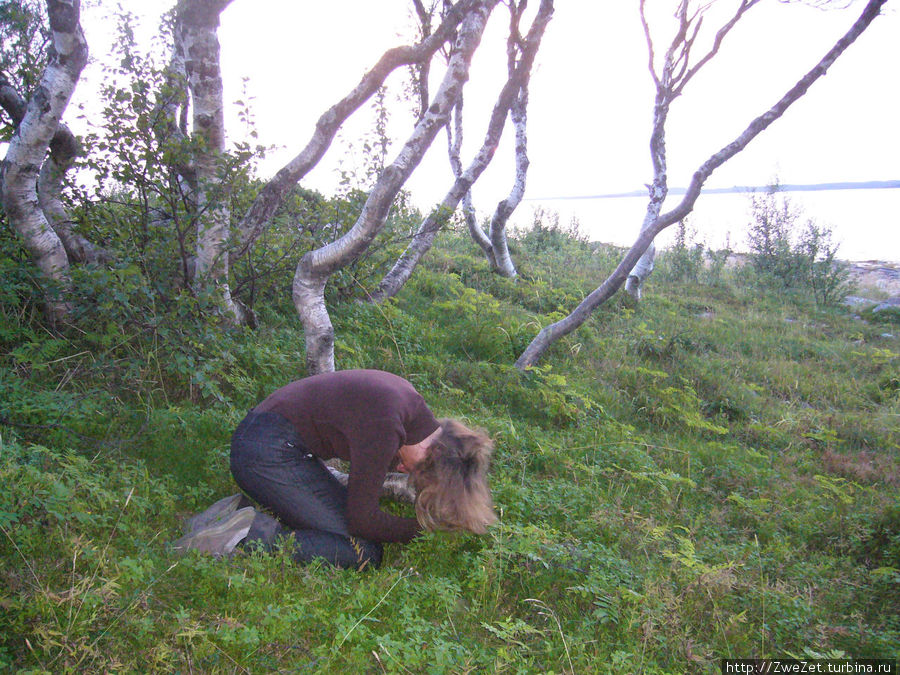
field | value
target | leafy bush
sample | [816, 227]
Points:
[683, 261]
[546, 235]
[786, 259]
[688, 260]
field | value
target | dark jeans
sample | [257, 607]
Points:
[271, 465]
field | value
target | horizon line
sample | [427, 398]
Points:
[737, 189]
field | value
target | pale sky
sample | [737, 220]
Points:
[591, 99]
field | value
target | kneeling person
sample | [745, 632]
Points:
[377, 422]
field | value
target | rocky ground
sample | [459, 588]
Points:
[876, 286]
[874, 283]
[876, 279]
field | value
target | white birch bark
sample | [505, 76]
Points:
[658, 191]
[316, 266]
[400, 273]
[500, 258]
[255, 220]
[494, 244]
[196, 30]
[551, 333]
[454, 150]
[63, 150]
[502, 261]
[675, 72]
[28, 148]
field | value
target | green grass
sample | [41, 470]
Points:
[711, 473]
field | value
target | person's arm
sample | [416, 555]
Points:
[369, 463]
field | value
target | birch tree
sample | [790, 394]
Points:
[194, 83]
[194, 152]
[553, 332]
[194, 69]
[509, 95]
[494, 242]
[64, 148]
[37, 127]
[196, 29]
[24, 34]
[270, 197]
[670, 77]
[317, 266]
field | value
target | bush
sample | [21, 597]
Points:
[826, 277]
[683, 262]
[546, 235]
[786, 259]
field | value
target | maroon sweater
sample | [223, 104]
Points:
[362, 416]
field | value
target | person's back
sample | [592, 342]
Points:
[377, 421]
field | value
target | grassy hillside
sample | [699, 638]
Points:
[712, 473]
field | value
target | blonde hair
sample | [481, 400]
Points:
[451, 481]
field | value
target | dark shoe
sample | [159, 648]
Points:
[219, 538]
[264, 532]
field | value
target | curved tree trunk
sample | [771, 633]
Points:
[454, 148]
[548, 335]
[674, 75]
[400, 273]
[658, 190]
[63, 150]
[316, 266]
[30, 142]
[502, 261]
[254, 222]
[494, 244]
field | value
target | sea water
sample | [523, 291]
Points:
[864, 222]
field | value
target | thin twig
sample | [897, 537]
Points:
[100, 559]
[403, 575]
[542, 604]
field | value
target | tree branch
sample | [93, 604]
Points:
[316, 266]
[717, 43]
[652, 60]
[423, 67]
[548, 335]
[394, 280]
[271, 196]
[28, 147]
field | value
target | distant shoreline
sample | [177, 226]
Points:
[743, 189]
